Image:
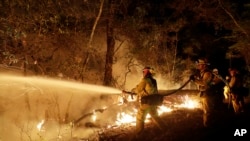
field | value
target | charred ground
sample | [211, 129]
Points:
[186, 125]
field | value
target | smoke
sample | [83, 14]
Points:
[127, 70]
[26, 101]
[135, 75]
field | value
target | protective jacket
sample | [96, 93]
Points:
[235, 84]
[205, 81]
[147, 92]
[147, 95]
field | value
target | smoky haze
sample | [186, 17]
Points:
[26, 101]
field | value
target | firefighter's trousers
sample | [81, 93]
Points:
[208, 107]
[238, 103]
[141, 116]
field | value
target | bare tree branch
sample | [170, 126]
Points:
[232, 17]
[119, 46]
[95, 24]
[89, 46]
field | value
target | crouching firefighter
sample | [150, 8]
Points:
[148, 98]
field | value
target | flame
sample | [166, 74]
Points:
[130, 118]
[39, 125]
[94, 116]
[226, 91]
[163, 109]
[126, 118]
[189, 103]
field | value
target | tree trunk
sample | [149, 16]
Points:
[110, 45]
[89, 45]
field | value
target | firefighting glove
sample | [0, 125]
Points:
[192, 77]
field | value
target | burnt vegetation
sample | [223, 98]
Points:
[85, 40]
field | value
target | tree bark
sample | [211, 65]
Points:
[110, 45]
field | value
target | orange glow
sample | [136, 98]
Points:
[189, 103]
[39, 125]
[130, 118]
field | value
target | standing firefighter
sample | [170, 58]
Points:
[204, 80]
[236, 85]
[148, 99]
[218, 85]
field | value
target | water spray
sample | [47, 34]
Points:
[11, 79]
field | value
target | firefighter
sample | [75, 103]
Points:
[235, 84]
[218, 85]
[204, 81]
[216, 73]
[147, 87]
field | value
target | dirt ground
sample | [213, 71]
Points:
[186, 125]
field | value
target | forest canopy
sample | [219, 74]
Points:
[78, 39]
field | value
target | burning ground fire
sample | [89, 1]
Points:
[41, 109]
[128, 118]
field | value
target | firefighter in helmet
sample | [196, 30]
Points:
[204, 82]
[218, 86]
[146, 87]
[235, 84]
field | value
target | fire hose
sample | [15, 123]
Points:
[176, 90]
[132, 94]
[170, 92]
